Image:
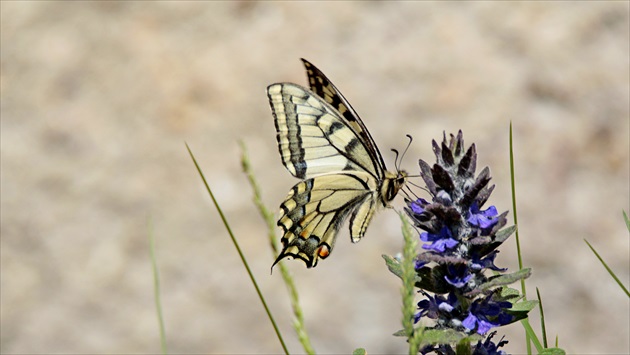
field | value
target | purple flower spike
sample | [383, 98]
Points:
[460, 243]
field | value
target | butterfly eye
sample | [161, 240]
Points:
[323, 252]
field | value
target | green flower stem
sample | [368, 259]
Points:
[518, 243]
[408, 292]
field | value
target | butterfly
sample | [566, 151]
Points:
[323, 142]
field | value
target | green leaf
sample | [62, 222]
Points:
[442, 336]
[400, 333]
[504, 234]
[448, 336]
[552, 351]
[520, 310]
[359, 351]
[506, 279]
[494, 242]
[525, 306]
[509, 294]
[393, 265]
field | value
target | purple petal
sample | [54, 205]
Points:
[469, 322]
[484, 326]
[490, 212]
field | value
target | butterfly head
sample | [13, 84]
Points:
[392, 184]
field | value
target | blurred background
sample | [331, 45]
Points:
[98, 99]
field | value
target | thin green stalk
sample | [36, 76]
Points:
[608, 269]
[518, 243]
[528, 339]
[240, 253]
[269, 219]
[156, 288]
[531, 335]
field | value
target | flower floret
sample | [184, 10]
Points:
[486, 314]
[486, 262]
[485, 219]
[434, 307]
[440, 242]
[458, 275]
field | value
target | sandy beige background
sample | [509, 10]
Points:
[98, 99]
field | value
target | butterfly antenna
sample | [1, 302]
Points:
[406, 148]
[396, 165]
[418, 186]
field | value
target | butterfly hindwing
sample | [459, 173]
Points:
[315, 208]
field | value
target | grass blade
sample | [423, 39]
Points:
[518, 243]
[269, 219]
[542, 319]
[531, 335]
[608, 269]
[156, 289]
[240, 253]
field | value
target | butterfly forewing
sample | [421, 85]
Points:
[312, 138]
[324, 88]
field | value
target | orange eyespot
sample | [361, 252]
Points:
[323, 252]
